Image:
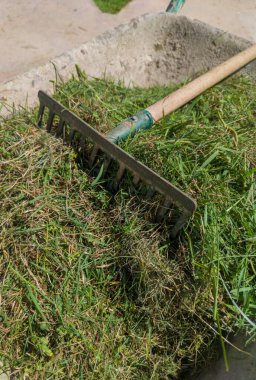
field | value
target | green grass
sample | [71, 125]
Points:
[90, 289]
[111, 6]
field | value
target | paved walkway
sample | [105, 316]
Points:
[235, 16]
[34, 31]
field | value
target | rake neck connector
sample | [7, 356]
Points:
[140, 121]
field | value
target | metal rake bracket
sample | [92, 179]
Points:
[90, 144]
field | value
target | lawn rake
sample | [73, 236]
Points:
[102, 155]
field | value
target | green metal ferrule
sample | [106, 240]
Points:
[175, 6]
[140, 121]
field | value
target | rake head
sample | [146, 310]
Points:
[97, 153]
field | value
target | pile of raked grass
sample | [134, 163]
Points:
[89, 288]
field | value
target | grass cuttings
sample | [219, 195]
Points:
[90, 289]
[111, 6]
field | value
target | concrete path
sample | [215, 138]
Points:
[235, 16]
[35, 31]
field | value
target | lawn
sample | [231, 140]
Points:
[111, 6]
[90, 288]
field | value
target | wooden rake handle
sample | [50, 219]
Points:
[145, 119]
[191, 90]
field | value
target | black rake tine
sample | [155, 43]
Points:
[50, 121]
[59, 131]
[150, 193]
[136, 179]
[106, 164]
[70, 137]
[40, 115]
[163, 209]
[93, 155]
[120, 173]
[179, 223]
[82, 141]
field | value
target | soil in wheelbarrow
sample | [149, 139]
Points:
[91, 289]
